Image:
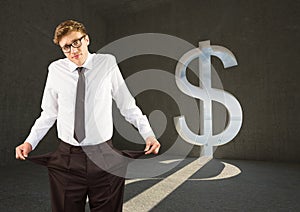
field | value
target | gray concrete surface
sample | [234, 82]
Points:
[260, 186]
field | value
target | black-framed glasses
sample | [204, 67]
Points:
[76, 44]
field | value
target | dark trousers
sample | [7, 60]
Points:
[95, 171]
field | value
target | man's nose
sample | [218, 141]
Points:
[73, 49]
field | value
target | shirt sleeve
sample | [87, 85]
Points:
[48, 115]
[127, 105]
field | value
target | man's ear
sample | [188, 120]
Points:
[87, 38]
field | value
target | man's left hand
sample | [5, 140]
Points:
[152, 145]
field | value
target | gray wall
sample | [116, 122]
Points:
[261, 34]
[27, 49]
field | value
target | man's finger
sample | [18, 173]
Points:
[156, 150]
[147, 147]
[150, 150]
[19, 154]
[153, 148]
[25, 151]
[18, 151]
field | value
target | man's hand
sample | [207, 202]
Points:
[152, 145]
[23, 150]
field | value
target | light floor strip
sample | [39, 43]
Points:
[149, 198]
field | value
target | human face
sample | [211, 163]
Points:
[76, 55]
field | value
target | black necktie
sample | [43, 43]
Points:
[79, 128]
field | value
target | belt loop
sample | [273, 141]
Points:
[70, 149]
[99, 148]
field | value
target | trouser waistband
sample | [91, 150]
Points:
[65, 147]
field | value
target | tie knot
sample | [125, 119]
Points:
[79, 69]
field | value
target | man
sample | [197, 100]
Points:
[78, 95]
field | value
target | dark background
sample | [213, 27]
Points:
[263, 35]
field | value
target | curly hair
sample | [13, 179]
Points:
[66, 27]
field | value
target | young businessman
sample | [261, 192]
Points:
[78, 95]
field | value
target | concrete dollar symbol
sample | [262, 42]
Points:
[207, 94]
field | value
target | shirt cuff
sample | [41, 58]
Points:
[147, 134]
[32, 140]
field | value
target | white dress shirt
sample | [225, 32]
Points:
[104, 83]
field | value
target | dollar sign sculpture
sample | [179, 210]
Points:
[208, 94]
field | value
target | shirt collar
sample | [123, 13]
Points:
[87, 64]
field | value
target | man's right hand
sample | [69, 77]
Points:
[23, 150]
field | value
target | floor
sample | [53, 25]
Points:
[173, 184]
